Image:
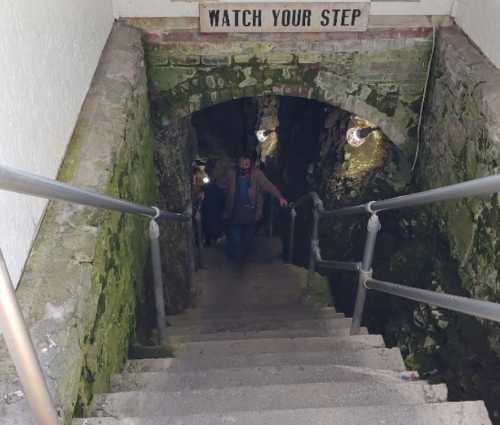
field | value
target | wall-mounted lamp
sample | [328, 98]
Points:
[356, 136]
[263, 135]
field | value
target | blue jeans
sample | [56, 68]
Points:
[241, 241]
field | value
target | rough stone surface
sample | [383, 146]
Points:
[175, 148]
[451, 247]
[471, 413]
[461, 141]
[271, 397]
[258, 376]
[84, 275]
[379, 74]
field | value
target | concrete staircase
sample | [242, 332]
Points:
[273, 360]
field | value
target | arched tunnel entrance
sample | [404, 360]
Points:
[301, 145]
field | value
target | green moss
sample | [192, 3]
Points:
[317, 291]
[71, 157]
[385, 102]
[120, 258]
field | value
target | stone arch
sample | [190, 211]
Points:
[379, 76]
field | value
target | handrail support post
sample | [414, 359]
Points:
[365, 273]
[161, 321]
[293, 216]
[314, 243]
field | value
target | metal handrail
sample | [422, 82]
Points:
[18, 181]
[18, 341]
[12, 323]
[477, 187]
[482, 309]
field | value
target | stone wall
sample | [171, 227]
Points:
[175, 149]
[450, 247]
[462, 142]
[85, 272]
[378, 75]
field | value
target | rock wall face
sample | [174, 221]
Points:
[449, 247]
[175, 149]
[378, 75]
[81, 283]
[462, 142]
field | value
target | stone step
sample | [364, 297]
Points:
[376, 358]
[272, 397]
[271, 325]
[257, 311]
[192, 350]
[164, 381]
[292, 333]
[195, 317]
[469, 413]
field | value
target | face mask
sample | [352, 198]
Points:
[245, 171]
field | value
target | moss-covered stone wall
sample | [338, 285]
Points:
[378, 75]
[451, 247]
[81, 284]
[175, 148]
[462, 142]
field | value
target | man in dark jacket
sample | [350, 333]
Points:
[244, 202]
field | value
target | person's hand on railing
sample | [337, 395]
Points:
[283, 202]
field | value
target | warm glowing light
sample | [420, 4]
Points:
[262, 136]
[206, 180]
[353, 137]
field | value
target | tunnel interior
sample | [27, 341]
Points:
[301, 145]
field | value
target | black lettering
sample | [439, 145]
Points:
[214, 17]
[306, 18]
[285, 18]
[335, 17]
[225, 19]
[257, 18]
[276, 15]
[246, 18]
[356, 13]
[345, 15]
[236, 13]
[296, 17]
[325, 18]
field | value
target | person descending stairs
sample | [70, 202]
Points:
[258, 350]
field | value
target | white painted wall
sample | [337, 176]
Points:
[179, 8]
[479, 19]
[48, 54]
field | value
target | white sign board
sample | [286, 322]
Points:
[283, 17]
